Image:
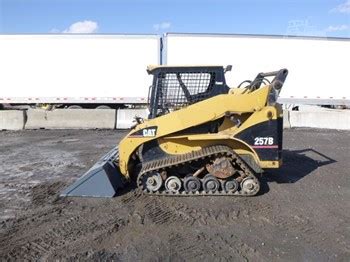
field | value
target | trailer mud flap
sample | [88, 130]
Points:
[102, 180]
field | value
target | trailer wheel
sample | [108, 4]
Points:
[74, 107]
[103, 107]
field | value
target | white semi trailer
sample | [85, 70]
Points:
[318, 67]
[76, 70]
[110, 70]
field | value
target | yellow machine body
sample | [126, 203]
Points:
[249, 108]
[201, 137]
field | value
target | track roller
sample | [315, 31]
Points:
[152, 181]
[211, 183]
[230, 185]
[192, 184]
[173, 184]
[250, 185]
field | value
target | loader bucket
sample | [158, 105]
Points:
[102, 180]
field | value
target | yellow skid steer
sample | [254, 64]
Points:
[201, 137]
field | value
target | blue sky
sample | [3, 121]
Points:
[298, 17]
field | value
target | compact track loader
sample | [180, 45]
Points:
[201, 137]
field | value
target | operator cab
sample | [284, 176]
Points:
[175, 87]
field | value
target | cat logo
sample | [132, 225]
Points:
[149, 132]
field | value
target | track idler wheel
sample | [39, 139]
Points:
[230, 185]
[173, 184]
[211, 183]
[152, 181]
[192, 184]
[250, 185]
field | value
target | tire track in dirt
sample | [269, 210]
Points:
[159, 213]
[157, 210]
[239, 211]
[68, 233]
[70, 228]
[189, 246]
[196, 247]
[100, 255]
[309, 233]
[44, 243]
[185, 247]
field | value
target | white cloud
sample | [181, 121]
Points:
[342, 8]
[304, 27]
[337, 28]
[82, 27]
[162, 26]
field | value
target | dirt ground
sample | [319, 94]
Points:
[302, 212]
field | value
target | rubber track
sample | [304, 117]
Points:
[177, 160]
